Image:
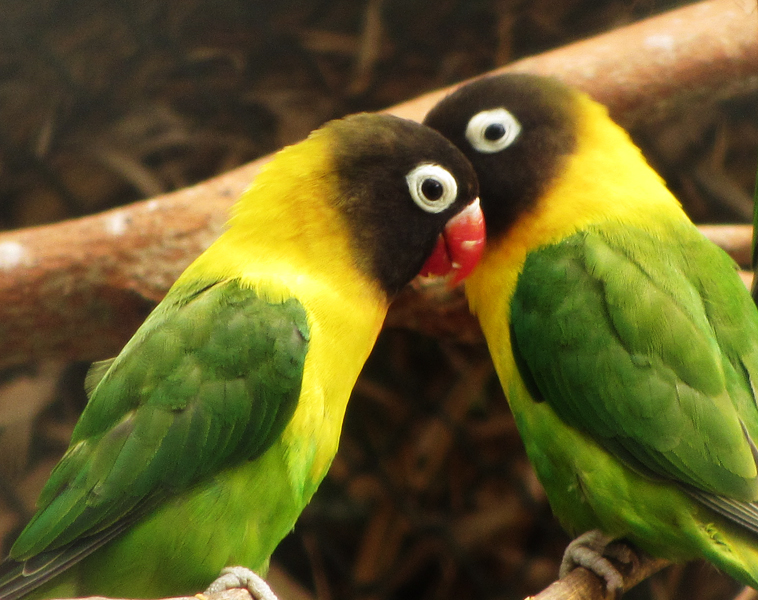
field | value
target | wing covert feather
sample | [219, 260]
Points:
[210, 379]
[634, 340]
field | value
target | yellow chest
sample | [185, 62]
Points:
[343, 332]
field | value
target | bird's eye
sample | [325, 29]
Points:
[492, 130]
[432, 187]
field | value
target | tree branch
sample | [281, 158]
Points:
[646, 71]
[582, 584]
[78, 289]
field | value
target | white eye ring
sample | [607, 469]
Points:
[506, 127]
[432, 187]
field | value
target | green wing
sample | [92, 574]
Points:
[648, 346]
[210, 379]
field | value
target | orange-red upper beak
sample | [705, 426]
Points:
[459, 247]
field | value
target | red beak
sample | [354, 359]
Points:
[459, 247]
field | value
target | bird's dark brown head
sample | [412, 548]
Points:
[516, 130]
[401, 183]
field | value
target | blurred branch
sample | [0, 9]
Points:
[78, 289]
[735, 239]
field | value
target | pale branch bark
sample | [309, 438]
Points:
[582, 584]
[737, 240]
[78, 289]
[645, 71]
[747, 593]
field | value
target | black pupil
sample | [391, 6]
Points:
[494, 132]
[432, 189]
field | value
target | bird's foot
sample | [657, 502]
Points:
[241, 577]
[590, 550]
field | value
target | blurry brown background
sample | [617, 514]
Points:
[106, 102]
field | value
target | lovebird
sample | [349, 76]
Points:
[625, 341]
[204, 439]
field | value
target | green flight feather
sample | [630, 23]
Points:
[210, 380]
[20, 578]
[664, 381]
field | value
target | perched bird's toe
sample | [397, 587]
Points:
[622, 553]
[241, 577]
[588, 551]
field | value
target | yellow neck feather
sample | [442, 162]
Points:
[605, 179]
[286, 239]
[286, 225]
